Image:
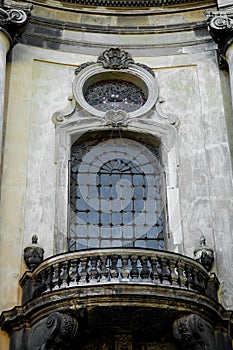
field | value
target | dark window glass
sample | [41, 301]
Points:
[116, 95]
[115, 195]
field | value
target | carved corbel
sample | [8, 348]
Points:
[57, 331]
[193, 333]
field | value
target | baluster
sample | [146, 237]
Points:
[45, 280]
[134, 273]
[114, 270]
[181, 274]
[63, 281]
[83, 270]
[37, 285]
[155, 271]
[165, 273]
[50, 278]
[56, 276]
[145, 273]
[174, 276]
[190, 281]
[103, 270]
[72, 272]
[125, 270]
[93, 272]
[202, 282]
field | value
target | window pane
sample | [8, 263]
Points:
[115, 195]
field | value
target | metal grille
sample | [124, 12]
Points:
[116, 95]
[115, 195]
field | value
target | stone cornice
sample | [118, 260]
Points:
[132, 3]
[14, 17]
[220, 25]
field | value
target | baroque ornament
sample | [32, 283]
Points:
[116, 118]
[114, 58]
[192, 332]
[33, 254]
[204, 254]
[56, 332]
[14, 17]
[220, 25]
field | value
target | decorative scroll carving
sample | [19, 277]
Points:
[220, 25]
[58, 331]
[61, 115]
[173, 120]
[194, 333]
[82, 66]
[114, 58]
[14, 20]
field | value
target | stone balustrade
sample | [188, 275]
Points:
[124, 266]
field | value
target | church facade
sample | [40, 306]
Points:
[116, 140]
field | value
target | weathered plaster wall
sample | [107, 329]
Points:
[39, 84]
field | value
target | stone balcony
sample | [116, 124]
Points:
[109, 292]
[131, 267]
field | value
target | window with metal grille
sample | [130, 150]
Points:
[115, 195]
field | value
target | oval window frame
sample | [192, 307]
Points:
[135, 74]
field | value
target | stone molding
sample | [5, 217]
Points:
[220, 25]
[14, 17]
[110, 61]
[132, 3]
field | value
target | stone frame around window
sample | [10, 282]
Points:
[68, 133]
[148, 121]
[135, 74]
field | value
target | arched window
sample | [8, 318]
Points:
[115, 194]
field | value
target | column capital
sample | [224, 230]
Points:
[14, 17]
[220, 25]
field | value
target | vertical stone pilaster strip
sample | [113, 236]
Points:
[4, 48]
[229, 59]
[220, 25]
[13, 21]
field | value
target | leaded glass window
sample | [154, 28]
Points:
[116, 95]
[115, 195]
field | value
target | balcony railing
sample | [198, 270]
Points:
[124, 266]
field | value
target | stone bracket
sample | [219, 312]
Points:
[56, 331]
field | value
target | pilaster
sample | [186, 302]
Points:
[220, 25]
[14, 17]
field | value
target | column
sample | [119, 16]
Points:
[220, 25]
[13, 22]
[4, 47]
